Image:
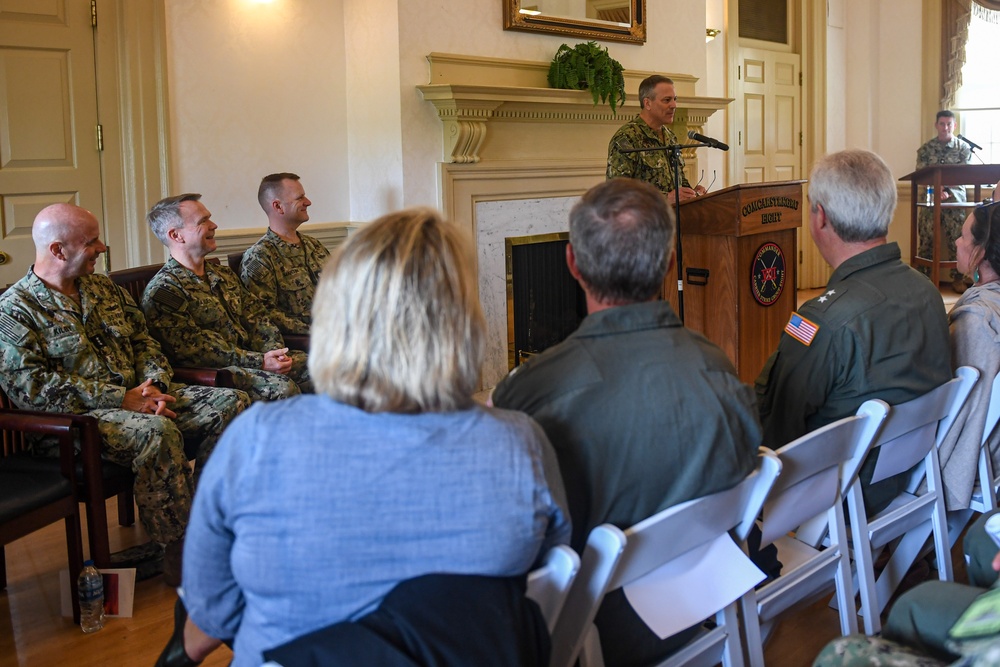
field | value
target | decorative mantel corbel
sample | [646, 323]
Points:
[464, 123]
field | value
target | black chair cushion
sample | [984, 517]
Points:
[114, 475]
[26, 490]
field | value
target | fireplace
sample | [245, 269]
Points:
[544, 302]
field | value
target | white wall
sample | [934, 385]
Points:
[253, 89]
[374, 128]
[256, 88]
[261, 87]
[675, 43]
[881, 80]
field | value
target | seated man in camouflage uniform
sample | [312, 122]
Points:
[72, 341]
[202, 314]
[282, 268]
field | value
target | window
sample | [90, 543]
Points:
[978, 100]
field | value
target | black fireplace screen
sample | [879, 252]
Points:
[544, 303]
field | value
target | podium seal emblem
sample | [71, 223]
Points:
[767, 279]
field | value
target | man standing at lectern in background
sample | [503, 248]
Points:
[649, 129]
[945, 148]
[878, 331]
[643, 414]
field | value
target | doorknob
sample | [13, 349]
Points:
[4, 258]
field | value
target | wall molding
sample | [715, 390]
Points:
[331, 234]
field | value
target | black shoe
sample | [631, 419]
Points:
[173, 557]
[173, 654]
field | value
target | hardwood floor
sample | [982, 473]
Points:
[33, 634]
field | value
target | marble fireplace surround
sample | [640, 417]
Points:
[517, 154]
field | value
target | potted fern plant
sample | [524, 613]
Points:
[588, 66]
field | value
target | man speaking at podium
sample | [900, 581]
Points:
[650, 129]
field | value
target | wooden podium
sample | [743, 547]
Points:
[938, 175]
[740, 252]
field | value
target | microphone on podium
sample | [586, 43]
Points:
[972, 144]
[709, 141]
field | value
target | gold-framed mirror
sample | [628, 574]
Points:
[610, 20]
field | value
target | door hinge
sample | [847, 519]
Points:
[800, 139]
[739, 138]
[100, 138]
[800, 79]
[800, 256]
[93, 13]
[739, 72]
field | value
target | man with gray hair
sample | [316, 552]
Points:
[650, 130]
[282, 267]
[643, 413]
[73, 341]
[878, 330]
[203, 316]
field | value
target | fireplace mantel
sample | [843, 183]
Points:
[517, 154]
[501, 109]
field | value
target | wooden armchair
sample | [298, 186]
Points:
[36, 493]
[96, 479]
[235, 260]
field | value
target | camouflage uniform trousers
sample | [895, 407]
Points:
[861, 651]
[153, 447]
[951, 230]
[264, 385]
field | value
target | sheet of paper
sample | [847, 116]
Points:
[691, 588]
[119, 592]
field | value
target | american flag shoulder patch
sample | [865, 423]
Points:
[801, 329]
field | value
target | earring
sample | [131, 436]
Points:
[975, 275]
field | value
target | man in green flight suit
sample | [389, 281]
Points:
[879, 330]
[650, 130]
[643, 414]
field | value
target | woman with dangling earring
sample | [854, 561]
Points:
[974, 322]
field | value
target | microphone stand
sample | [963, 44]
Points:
[674, 156]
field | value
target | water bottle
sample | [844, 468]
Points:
[91, 591]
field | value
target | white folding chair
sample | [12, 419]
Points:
[549, 584]
[911, 435]
[984, 499]
[613, 559]
[817, 471]
[984, 495]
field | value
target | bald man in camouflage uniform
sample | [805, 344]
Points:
[649, 130]
[282, 268]
[945, 148]
[203, 316]
[74, 342]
